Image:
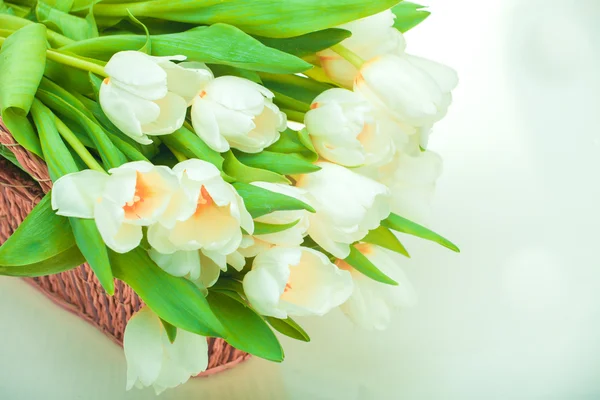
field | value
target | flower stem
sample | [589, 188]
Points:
[178, 155]
[75, 62]
[319, 75]
[77, 146]
[349, 55]
[71, 61]
[294, 115]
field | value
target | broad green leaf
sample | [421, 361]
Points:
[71, 79]
[262, 228]
[80, 5]
[41, 236]
[289, 328]
[5, 9]
[217, 44]
[20, 74]
[308, 44]
[383, 237]
[270, 18]
[62, 5]
[224, 70]
[286, 102]
[408, 15]
[294, 142]
[189, 144]
[12, 22]
[71, 26]
[60, 162]
[244, 329]
[284, 164]
[111, 156]
[176, 300]
[397, 223]
[363, 265]
[92, 246]
[294, 86]
[243, 173]
[227, 284]
[170, 329]
[261, 201]
[63, 261]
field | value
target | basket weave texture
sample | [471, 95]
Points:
[78, 290]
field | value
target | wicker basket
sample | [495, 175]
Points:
[78, 290]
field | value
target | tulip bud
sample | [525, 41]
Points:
[152, 360]
[235, 112]
[345, 130]
[295, 281]
[136, 97]
[347, 206]
[372, 303]
[372, 36]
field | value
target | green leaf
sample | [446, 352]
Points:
[10, 156]
[80, 5]
[41, 236]
[60, 162]
[226, 70]
[13, 23]
[147, 47]
[262, 228]
[261, 201]
[189, 144]
[289, 328]
[294, 86]
[111, 156]
[383, 237]
[362, 264]
[284, 164]
[20, 74]
[270, 18]
[71, 26]
[71, 79]
[409, 15]
[92, 246]
[217, 44]
[294, 142]
[245, 329]
[176, 300]
[246, 174]
[403, 225]
[308, 44]
[227, 284]
[170, 329]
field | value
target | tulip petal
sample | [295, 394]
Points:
[172, 115]
[263, 292]
[238, 94]
[118, 236]
[138, 74]
[123, 110]
[205, 125]
[180, 263]
[76, 194]
[444, 76]
[142, 344]
[187, 78]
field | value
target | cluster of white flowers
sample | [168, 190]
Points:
[370, 137]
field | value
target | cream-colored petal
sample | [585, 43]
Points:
[238, 94]
[137, 73]
[187, 79]
[125, 111]
[263, 292]
[158, 237]
[76, 194]
[205, 125]
[180, 263]
[142, 343]
[172, 115]
[118, 236]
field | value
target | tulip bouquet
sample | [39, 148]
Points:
[237, 163]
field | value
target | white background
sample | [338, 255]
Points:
[515, 316]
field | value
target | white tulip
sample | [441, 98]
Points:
[152, 360]
[136, 194]
[412, 90]
[345, 130]
[293, 236]
[295, 281]
[347, 206]
[238, 113]
[372, 303]
[412, 180]
[211, 215]
[371, 37]
[136, 97]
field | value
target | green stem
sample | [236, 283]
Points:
[349, 55]
[75, 62]
[294, 115]
[76, 145]
[71, 61]
[178, 155]
[119, 10]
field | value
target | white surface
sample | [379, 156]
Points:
[515, 316]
